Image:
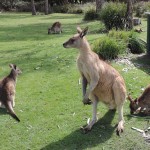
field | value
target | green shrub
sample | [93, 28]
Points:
[61, 9]
[120, 35]
[90, 15]
[75, 9]
[140, 8]
[136, 45]
[113, 15]
[22, 6]
[108, 48]
[130, 39]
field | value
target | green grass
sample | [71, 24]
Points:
[48, 97]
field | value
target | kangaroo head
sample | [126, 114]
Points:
[77, 40]
[14, 69]
[133, 104]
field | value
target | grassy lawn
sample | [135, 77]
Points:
[48, 97]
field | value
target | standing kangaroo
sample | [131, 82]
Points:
[7, 91]
[105, 83]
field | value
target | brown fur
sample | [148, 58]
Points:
[7, 91]
[141, 104]
[105, 83]
[56, 28]
[138, 30]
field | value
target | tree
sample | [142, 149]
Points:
[46, 7]
[129, 14]
[99, 4]
[33, 7]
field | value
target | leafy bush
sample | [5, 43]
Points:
[120, 35]
[140, 8]
[130, 39]
[69, 8]
[136, 45]
[90, 15]
[61, 9]
[108, 48]
[75, 9]
[113, 15]
[22, 6]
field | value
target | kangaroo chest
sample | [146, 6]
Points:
[84, 69]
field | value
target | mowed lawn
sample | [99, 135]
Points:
[48, 96]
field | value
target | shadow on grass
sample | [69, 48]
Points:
[142, 62]
[3, 111]
[101, 132]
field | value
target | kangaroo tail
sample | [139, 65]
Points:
[9, 107]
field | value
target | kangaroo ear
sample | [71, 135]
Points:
[79, 30]
[136, 101]
[84, 32]
[129, 98]
[12, 66]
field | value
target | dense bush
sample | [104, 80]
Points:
[130, 39]
[136, 45]
[90, 15]
[113, 15]
[140, 8]
[108, 48]
[69, 8]
[120, 35]
[117, 42]
[75, 9]
[22, 6]
[60, 9]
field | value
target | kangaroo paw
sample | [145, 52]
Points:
[85, 129]
[87, 101]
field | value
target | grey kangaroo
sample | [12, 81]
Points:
[7, 91]
[56, 28]
[105, 83]
[142, 103]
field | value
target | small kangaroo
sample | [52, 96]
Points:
[7, 91]
[105, 83]
[56, 28]
[141, 104]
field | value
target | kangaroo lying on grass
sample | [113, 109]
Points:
[105, 83]
[56, 28]
[7, 91]
[141, 104]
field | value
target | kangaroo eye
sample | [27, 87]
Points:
[72, 40]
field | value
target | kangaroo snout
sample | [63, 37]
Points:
[65, 45]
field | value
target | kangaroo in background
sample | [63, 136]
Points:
[105, 83]
[7, 91]
[56, 28]
[141, 104]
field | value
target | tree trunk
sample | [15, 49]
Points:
[46, 7]
[129, 14]
[33, 7]
[11, 4]
[65, 2]
[49, 8]
[99, 4]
